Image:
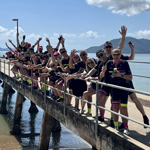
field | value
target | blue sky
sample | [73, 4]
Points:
[83, 23]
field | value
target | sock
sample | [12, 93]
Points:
[18, 75]
[29, 81]
[24, 78]
[111, 116]
[126, 125]
[46, 87]
[102, 113]
[42, 86]
[116, 124]
[89, 110]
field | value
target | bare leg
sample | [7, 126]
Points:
[137, 103]
[87, 95]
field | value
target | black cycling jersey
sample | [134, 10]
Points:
[80, 64]
[23, 48]
[123, 68]
[65, 62]
[73, 70]
[27, 58]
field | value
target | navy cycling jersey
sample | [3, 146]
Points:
[122, 67]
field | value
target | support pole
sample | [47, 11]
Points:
[3, 109]
[45, 131]
[33, 108]
[17, 115]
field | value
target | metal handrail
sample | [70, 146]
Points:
[132, 61]
[96, 105]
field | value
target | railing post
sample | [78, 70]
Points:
[9, 69]
[4, 66]
[45, 90]
[64, 97]
[96, 125]
[31, 80]
[0, 64]
[22, 76]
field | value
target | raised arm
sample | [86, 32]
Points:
[12, 44]
[63, 42]
[59, 41]
[8, 47]
[23, 41]
[123, 33]
[72, 54]
[47, 39]
[50, 51]
[37, 43]
[131, 45]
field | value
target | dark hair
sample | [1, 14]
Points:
[99, 51]
[45, 52]
[107, 42]
[62, 49]
[45, 55]
[31, 49]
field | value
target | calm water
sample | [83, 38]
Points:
[31, 123]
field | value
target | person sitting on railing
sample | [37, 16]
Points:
[116, 72]
[87, 95]
[96, 70]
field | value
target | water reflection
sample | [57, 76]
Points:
[32, 128]
[55, 139]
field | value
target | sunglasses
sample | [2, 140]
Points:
[83, 54]
[108, 46]
[116, 54]
[62, 52]
[76, 57]
[52, 66]
[100, 55]
[90, 62]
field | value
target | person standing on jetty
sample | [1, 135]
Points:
[117, 72]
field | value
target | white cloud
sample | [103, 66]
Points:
[128, 7]
[89, 34]
[141, 34]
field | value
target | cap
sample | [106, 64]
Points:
[40, 47]
[56, 53]
[15, 50]
[29, 44]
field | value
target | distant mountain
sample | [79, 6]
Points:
[4, 49]
[140, 45]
